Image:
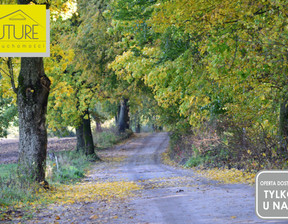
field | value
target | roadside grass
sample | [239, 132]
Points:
[21, 194]
[12, 189]
[66, 167]
[7, 169]
[109, 137]
[20, 197]
[222, 174]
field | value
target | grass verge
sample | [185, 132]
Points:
[222, 175]
[109, 137]
[20, 198]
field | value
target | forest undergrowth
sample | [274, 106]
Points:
[227, 153]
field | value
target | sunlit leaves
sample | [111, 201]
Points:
[213, 54]
[89, 192]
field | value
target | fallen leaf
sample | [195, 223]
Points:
[57, 217]
[233, 217]
[94, 217]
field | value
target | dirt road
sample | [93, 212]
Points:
[169, 195]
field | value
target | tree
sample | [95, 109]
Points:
[123, 120]
[8, 109]
[8, 112]
[32, 98]
[207, 61]
[71, 97]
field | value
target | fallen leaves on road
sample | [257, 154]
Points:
[232, 176]
[89, 192]
[93, 217]
[164, 182]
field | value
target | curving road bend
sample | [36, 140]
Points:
[178, 196]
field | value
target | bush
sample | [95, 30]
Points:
[66, 166]
[109, 137]
[227, 144]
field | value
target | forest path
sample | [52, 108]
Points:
[168, 195]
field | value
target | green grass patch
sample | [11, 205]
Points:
[7, 169]
[20, 192]
[109, 137]
[67, 166]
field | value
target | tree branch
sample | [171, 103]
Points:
[11, 74]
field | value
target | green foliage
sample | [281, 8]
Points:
[14, 189]
[8, 113]
[71, 165]
[7, 169]
[60, 132]
[195, 160]
[218, 62]
[19, 190]
[109, 137]
[13, 192]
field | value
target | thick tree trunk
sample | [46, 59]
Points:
[284, 125]
[123, 123]
[32, 99]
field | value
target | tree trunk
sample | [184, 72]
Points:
[98, 126]
[123, 123]
[117, 115]
[284, 125]
[138, 128]
[84, 135]
[80, 138]
[154, 127]
[87, 135]
[32, 99]
[137, 123]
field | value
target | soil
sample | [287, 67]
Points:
[169, 195]
[9, 148]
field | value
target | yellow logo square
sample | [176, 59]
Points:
[24, 31]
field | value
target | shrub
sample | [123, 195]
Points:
[109, 137]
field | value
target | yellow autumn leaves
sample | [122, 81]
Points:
[88, 192]
[228, 176]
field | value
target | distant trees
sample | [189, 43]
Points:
[208, 60]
